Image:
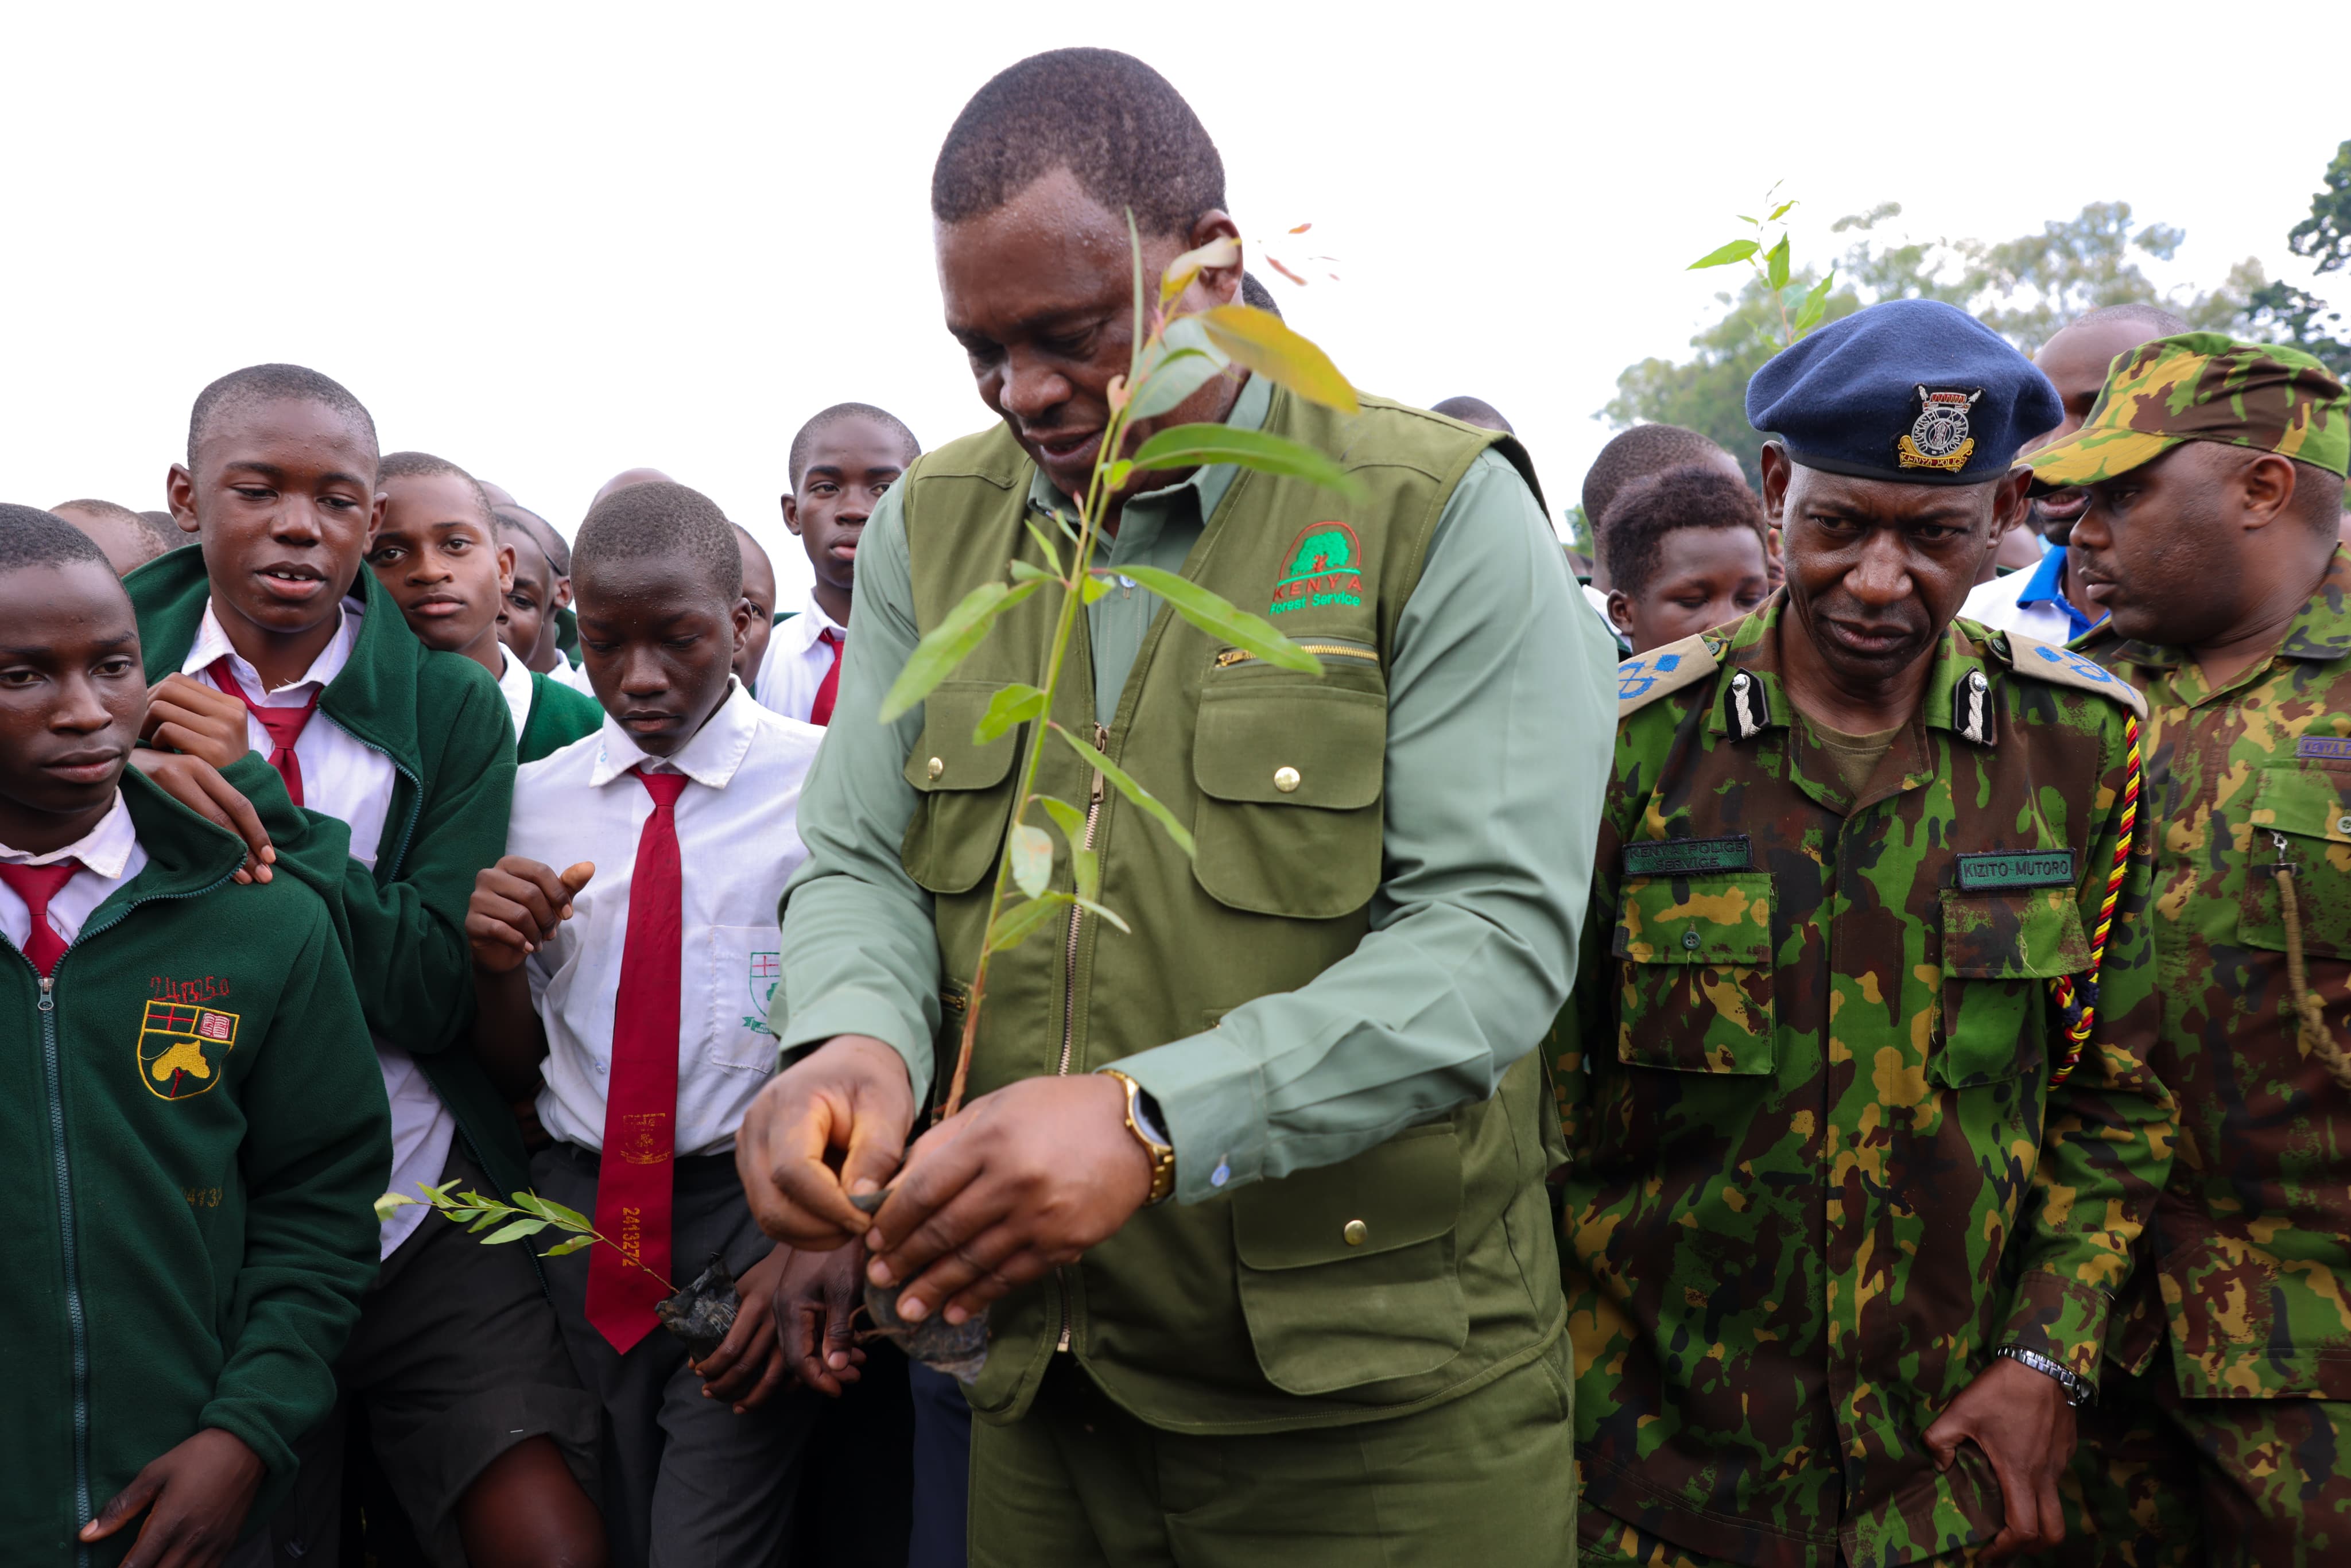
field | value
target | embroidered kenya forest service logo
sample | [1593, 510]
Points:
[765, 971]
[1325, 568]
[181, 1048]
[1939, 437]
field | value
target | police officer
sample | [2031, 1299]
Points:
[1860, 1128]
[2215, 476]
[1338, 1341]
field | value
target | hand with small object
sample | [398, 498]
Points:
[750, 1365]
[197, 785]
[516, 908]
[814, 1309]
[195, 1497]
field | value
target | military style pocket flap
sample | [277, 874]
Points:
[1724, 919]
[1403, 1191]
[2306, 801]
[2026, 936]
[1291, 745]
[2301, 804]
[946, 757]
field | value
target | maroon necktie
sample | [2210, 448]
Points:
[283, 725]
[829, 689]
[633, 1186]
[37, 884]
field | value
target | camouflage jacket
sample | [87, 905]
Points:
[2253, 1237]
[1818, 1174]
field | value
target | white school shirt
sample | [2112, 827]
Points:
[514, 685]
[347, 779]
[738, 843]
[797, 660]
[110, 856]
[567, 674]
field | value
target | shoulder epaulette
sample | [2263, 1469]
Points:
[1645, 678]
[2064, 667]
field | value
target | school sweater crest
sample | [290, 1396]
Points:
[194, 1130]
[441, 722]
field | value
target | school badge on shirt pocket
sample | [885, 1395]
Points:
[182, 1048]
[746, 965]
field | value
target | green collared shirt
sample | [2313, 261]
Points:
[1498, 704]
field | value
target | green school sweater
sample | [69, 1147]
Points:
[559, 714]
[192, 1131]
[447, 730]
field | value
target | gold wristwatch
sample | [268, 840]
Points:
[1155, 1144]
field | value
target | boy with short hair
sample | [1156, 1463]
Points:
[759, 596]
[438, 554]
[194, 1230]
[1684, 551]
[526, 621]
[129, 539]
[640, 979]
[379, 773]
[841, 463]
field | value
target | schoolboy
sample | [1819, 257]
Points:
[1684, 551]
[840, 464]
[127, 538]
[438, 554]
[194, 1230]
[639, 980]
[526, 619]
[759, 598]
[380, 773]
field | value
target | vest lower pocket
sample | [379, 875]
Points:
[1291, 774]
[2000, 953]
[958, 829]
[1697, 973]
[2304, 807]
[1348, 1273]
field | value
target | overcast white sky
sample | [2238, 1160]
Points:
[553, 241]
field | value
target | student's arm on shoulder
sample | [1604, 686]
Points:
[860, 953]
[1499, 706]
[317, 1153]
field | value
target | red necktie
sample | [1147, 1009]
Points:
[633, 1188]
[830, 688]
[283, 725]
[37, 884]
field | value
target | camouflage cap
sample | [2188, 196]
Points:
[2203, 386]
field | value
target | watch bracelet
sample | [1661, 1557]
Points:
[1162, 1154]
[2079, 1390]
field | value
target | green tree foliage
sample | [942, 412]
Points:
[2292, 315]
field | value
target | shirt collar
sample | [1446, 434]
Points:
[104, 850]
[1210, 480]
[801, 632]
[514, 683]
[212, 643]
[711, 758]
[2046, 586]
[2319, 632]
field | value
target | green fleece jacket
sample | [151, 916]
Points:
[559, 715]
[193, 1130]
[440, 720]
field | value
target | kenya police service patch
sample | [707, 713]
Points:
[1325, 568]
[1939, 437]
[181, 1048]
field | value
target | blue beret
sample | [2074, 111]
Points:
[1909, 389]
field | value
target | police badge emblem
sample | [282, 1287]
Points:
[1939, 437]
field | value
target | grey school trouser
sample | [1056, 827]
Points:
[686, 1481]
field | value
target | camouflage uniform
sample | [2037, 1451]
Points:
[1819, 1174]
[2233, 1440]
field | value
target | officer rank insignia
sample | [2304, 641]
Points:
[1939, 437]
[181, 1048]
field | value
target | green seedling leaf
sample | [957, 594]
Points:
[1044, 542]
[388, 1202]
[1066, 816]
[1743, 218]
[1143, 799]
[1111, 915]
[1188, 445]
[1775, 266]
[1737, 250]
[1172, 380]
[487, 1217]
[570, 1218]
[1119, 474]
[1014, 704]
[1012, 927]
[514, 1232]
[1032, 858]
[1029, 571]
[1779, 212]
[1262, 341]
[950, 642]
[1219, 617]
[572, 1245]
[1099, 583]
[1816, 303]
[1134, 250]
[1192, 263]
[1085, 869]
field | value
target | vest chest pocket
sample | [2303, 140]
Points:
[953, 836]
[1290, 777]
[2303, 806]
[2001, 950]
[1697, 970]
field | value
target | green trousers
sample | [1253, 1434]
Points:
[2162, 1481]
[1611, 1543]
[1488, 1477]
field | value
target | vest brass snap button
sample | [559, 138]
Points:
[1689, 940]
[1285, 780]
[934, 767]
[1355, 1232]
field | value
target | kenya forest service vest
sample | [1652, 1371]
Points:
[1252, 1311]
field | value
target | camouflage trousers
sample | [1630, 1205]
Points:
[2162, 1481]
[1610, 1542]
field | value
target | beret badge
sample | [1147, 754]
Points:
[1939, 437]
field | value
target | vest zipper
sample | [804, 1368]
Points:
[1070, 1000]
[77, 1322]
[1231, 656]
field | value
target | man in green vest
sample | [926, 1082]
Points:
[1342, 1339]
